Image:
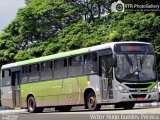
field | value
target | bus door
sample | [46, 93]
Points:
[16, 88]
[105, 72]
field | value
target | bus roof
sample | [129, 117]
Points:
[66, 54]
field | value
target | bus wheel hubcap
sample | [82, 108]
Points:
[91, 102]
[30, 104]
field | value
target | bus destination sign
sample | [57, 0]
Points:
[126, 48]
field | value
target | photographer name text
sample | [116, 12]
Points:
[124, 116]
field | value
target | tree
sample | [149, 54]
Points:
[7, 49]
[36, 26]
[113, 28]
[41, 20]
[47, 27]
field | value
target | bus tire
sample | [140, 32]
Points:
[63, 108]
[92, 103]
[31, 105]
[128, 106]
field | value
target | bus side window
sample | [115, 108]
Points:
[90, 61]
[48, 65]
[25, 69]
[46, 70]
[109, 67]
[35, 68]
[34, 72]
[24, 74]
[106, 66]
[60, 70]
[76, 65]
[6, 79]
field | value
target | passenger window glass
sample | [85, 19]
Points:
[46, 70]
[106, 66]
[34, 73]
[60, 63]
[77, 60]
[60, 68]
[90, 61]
[76, 65]
[46, 65]
[33, 68]
[6, 79]
[25, 69]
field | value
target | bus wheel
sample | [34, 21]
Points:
[63, 108]
[128, 106]
[92, 103]
[31, 105]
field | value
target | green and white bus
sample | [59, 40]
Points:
[119, 73]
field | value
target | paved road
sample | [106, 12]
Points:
[145, 113]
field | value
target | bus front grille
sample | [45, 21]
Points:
[138, 95]
[138, 91]
[138, 85]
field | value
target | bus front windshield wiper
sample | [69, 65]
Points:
[129, 60]
[143, 59]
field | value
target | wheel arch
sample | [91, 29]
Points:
[86, 92]
[29, 95]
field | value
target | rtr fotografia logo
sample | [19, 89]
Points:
[117, 6]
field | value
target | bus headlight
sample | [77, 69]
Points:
[154, 89]
[122, 89]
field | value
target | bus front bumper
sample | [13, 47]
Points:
[136, 97]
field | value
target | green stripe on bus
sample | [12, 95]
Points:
[54, 88]
[152, 84]
[55, 56]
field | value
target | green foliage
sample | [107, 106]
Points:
[114, 27]
[7, 49]
[46, 27]
[41, 20]
[22, 55]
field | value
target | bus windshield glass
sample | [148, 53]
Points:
[135, 67]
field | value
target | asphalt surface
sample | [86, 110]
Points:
[138, 113]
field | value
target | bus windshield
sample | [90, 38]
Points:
[135, 67]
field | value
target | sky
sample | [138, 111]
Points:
[8, 10]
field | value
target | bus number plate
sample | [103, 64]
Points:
[140, 99]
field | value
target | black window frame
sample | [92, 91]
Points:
[55, 67]
[3, 73]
